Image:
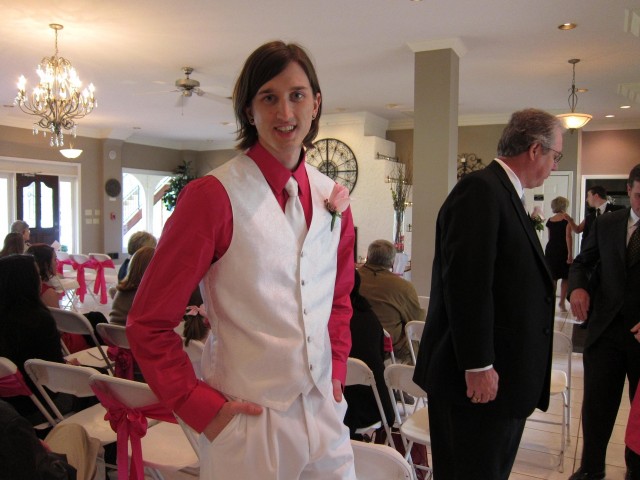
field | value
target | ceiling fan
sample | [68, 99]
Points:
[188, 86]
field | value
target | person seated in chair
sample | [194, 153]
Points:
[393, 299]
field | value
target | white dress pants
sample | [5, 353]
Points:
[306, 442]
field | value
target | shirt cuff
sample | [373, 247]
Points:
[483, 369]
[201, 407]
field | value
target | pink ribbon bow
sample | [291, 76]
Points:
[193, 310]
[130, 425]
[123, 359]
[100, 284]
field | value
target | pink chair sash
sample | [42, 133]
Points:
[123, 359]
[100, 283]
[13, 386]
[82, 289]
[388, 344]
[130, 426]
[61, 263]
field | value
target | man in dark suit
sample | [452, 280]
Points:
[611, 349]
[485, 355]
[597, 200]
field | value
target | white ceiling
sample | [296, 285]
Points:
[133, 52]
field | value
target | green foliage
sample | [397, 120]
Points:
[182, 176]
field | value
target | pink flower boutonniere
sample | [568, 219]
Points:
[337, 202]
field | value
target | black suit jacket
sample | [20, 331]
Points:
[492, 298]
[591, 217]
[605, 248]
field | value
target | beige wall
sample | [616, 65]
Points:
[611, 152]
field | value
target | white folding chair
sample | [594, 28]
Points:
[74, 380]
[379, 462]
[109, 273]
[113, 335]
[194, 350]
[560, 386]
[73, 322]
[414, 428]
[164, 446]
[13, 385]
[413, 330]
[86, 274]
[388, 345]
[424, 302]
[358, 373]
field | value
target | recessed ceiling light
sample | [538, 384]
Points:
[340, 109]
[582, 90]
[137, 128]
[625, 106]
[7, 106]
[224, 124]
[567, 26]
[609, 116]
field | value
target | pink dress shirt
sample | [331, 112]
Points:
[197, 234]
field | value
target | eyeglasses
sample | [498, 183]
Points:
[557, 157]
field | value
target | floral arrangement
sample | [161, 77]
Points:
[537, 219]
[337, 202]
[176, 184]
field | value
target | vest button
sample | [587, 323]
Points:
[310, 367]
[309, 339]
[304, 311]
[302, 253]
[302, 282]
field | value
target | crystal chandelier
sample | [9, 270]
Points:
[574, 120]
[58, 98]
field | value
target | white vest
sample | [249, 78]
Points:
[268, 302]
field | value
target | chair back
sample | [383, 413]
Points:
[133, 395]
[388, 345]
[400, 377]
[59, 378]
[113, 335]
[358, 373]
[73, 322]
[379, 462]
[12, 384]
[424, 302]
[413, 330]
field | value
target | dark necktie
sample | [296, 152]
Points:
[633, 248]
[597, 212]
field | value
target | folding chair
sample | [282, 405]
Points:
[86, 279]
[162, 446]
[561, 385]
[413, 330]
[379, 462]
[119, 351]
[73, 322]
[74, 380]
[358, 373]
[424, 302]
[12, 384]
[414, 428]
[106, 274]
[388, 345]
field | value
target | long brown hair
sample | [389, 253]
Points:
[265, 63]
[139, 263]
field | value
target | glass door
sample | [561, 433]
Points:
[38, 204]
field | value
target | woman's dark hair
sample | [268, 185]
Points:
[43, 254]
[265, 63]
[13, 243]
[19, 282]
[358, 302]
[195, 328]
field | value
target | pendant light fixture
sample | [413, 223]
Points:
[574, 120]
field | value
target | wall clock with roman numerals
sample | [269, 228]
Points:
[336, 160]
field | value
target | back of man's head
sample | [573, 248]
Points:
[598, 190]
[525, 128]
[382, 253]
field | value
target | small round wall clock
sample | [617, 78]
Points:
[336, 160]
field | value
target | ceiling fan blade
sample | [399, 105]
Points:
[216, 97]
[181, 101]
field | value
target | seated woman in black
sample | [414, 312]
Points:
[27, 329]
[367, 344]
